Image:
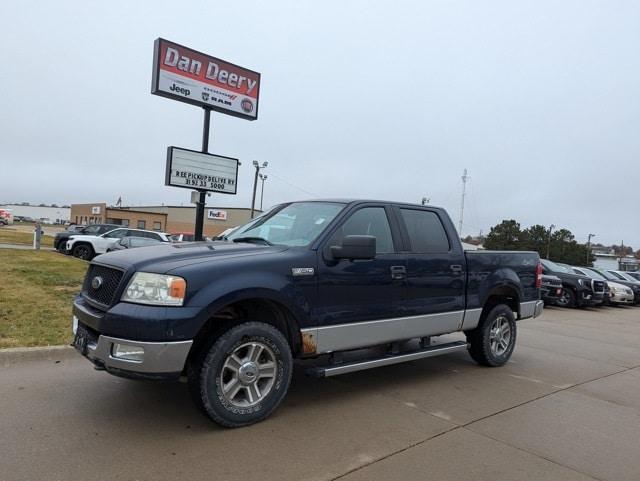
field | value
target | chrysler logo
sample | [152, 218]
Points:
[96, 282]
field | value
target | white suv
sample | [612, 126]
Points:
[88, 246]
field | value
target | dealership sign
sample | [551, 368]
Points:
[184, 74]
[204, 172]
[216, 214]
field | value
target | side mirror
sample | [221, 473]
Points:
[355, 247]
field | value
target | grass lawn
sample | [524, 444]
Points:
[10, 236]
[36, 293]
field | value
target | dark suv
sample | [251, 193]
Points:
[60, 240]
[576, 290]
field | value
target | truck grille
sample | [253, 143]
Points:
[598, 286]
[105, 292]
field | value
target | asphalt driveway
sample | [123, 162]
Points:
[567, 407]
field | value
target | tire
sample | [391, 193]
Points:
[226, 381]
[486, 345]
[567, 298]
[62, 247]
[83, 251]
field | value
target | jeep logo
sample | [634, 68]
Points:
[96, 282]
[180, 90]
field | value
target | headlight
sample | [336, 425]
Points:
[581, 282]
[612, 289]
[155, 289]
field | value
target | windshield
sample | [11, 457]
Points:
[296, 224]
[552, 266]
[92, 229]
[615, 276]
[608, 276]
[593, 274]
[626, 276]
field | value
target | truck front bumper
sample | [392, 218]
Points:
[127, 357]
[153, 360]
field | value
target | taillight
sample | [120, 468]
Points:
[539, 276]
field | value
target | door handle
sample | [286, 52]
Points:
[398, 273]
[456, 268]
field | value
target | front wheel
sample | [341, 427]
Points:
[244, 376]
[492, 342]
[83, 251]
[567, 298]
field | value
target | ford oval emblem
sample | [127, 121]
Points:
[96, 282]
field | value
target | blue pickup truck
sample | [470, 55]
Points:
[353, 284]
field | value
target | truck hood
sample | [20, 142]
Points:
[166, 257]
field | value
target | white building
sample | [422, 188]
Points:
[46, 215]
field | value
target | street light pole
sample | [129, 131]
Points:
[589, 247]
[258, 167]
[263, 177]
[551, 227]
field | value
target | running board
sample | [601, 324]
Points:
[387, 360]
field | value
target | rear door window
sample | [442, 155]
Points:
[426, 232]
[116, 234]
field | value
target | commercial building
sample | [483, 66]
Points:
[166, 218]
[100, 213]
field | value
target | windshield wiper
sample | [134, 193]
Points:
[253, 240]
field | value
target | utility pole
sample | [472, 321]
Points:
[551, 227]
[263, 177]
[255, 183]
[465, 177]
[589, 247]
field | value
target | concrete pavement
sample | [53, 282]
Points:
[566, 408]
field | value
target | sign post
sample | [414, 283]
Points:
[186, 75]
[37, 236]
[203, 193]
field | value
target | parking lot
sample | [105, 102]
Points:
[567, 406]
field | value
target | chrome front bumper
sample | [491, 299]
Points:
[158, 358]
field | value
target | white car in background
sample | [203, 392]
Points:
[618, 293]
[88, 246]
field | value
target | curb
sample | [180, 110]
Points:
[15, 355]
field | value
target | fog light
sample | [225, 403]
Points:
[127, 352]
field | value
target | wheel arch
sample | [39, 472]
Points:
[504, 294]
[237, 308]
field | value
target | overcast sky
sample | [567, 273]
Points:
[539, 100]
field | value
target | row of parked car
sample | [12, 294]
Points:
[86, 242]
[573, 286]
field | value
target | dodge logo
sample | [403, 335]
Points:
[96, 282]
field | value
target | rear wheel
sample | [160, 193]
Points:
[83, 251]
[244, 376]
[493, 341]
